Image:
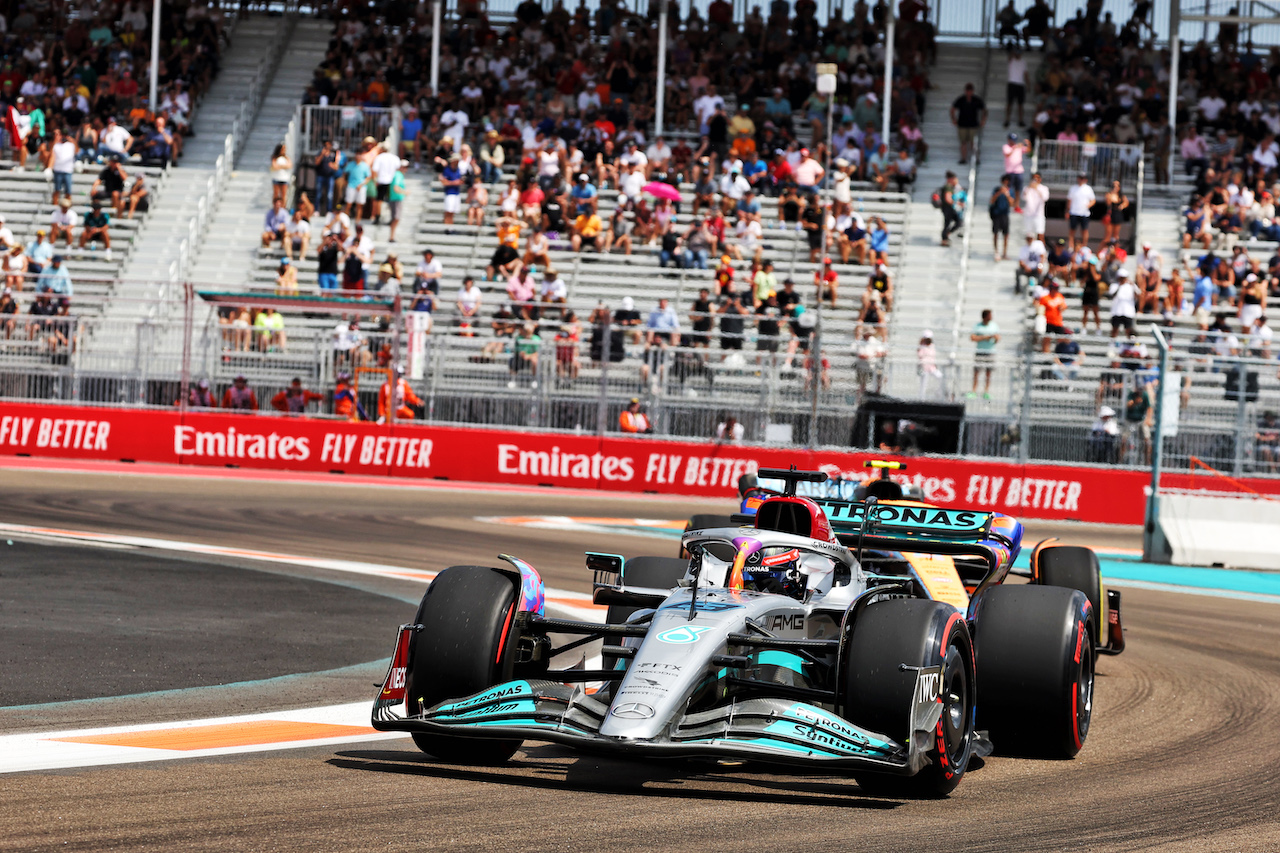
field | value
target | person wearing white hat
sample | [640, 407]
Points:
[1104, 437]
[1149, 263]
[1034, 197]
[1259, 341]
[201, 396]
[927, 364]
[1253, 300]
[629, 319]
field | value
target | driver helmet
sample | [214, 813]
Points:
[778, 574]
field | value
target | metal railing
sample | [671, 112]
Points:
[1103, 162]
[962, 279]
[1040, 407]
[346, 125]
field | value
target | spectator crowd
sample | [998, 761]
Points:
[76, 76]
[538, 117]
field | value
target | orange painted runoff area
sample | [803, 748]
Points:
[223, 736]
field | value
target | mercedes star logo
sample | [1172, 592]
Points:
[633, 711]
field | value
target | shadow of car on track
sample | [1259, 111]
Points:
[551, 768]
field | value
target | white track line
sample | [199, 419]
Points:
[44, 751]
[576, 603]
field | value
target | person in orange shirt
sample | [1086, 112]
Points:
[404, 398]
[295, 398]
[586, 231]
[509, 231]
[345, 402]
[633, 420]
[742, 147]
[1052, 304]
[724, 276]
[240, 396]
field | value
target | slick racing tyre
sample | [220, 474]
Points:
[466, 645]
[655, 572]
[705, 522]
[1035, 654]
[879, 693]
[1074, 567]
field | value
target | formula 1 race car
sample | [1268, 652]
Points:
[866, 636]
[752, 492]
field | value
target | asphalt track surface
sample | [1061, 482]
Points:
[1182, 755]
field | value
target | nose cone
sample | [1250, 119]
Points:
[669, 664]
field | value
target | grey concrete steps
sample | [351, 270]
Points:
[231, 241]
[169, 224]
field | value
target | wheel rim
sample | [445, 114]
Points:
[955, 705]
[1084, 694]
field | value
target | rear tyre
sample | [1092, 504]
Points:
[1035, 652]
[655, 572]
[879, 694]
[1074, 567]
[466, 645]
[706, 521]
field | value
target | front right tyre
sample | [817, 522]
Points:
[890, 642]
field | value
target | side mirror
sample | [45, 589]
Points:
[606, 568]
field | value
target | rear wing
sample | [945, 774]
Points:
[913, 521]
[991, 537]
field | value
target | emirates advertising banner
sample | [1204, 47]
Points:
[617, 464]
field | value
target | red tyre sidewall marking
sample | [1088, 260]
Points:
[1075, 683]
[502, 640]
[940, 737]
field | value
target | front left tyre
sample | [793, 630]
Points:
[1035, 652]
[466, 644]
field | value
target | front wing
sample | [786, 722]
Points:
[771, 730]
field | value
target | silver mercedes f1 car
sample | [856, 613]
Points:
[873, 637]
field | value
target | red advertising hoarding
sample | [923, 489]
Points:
[620, 464]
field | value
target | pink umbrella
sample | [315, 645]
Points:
[657, 189]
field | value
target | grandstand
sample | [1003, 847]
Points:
[207, 214]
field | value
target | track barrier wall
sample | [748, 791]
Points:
[637, 465]
[1229, 530]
